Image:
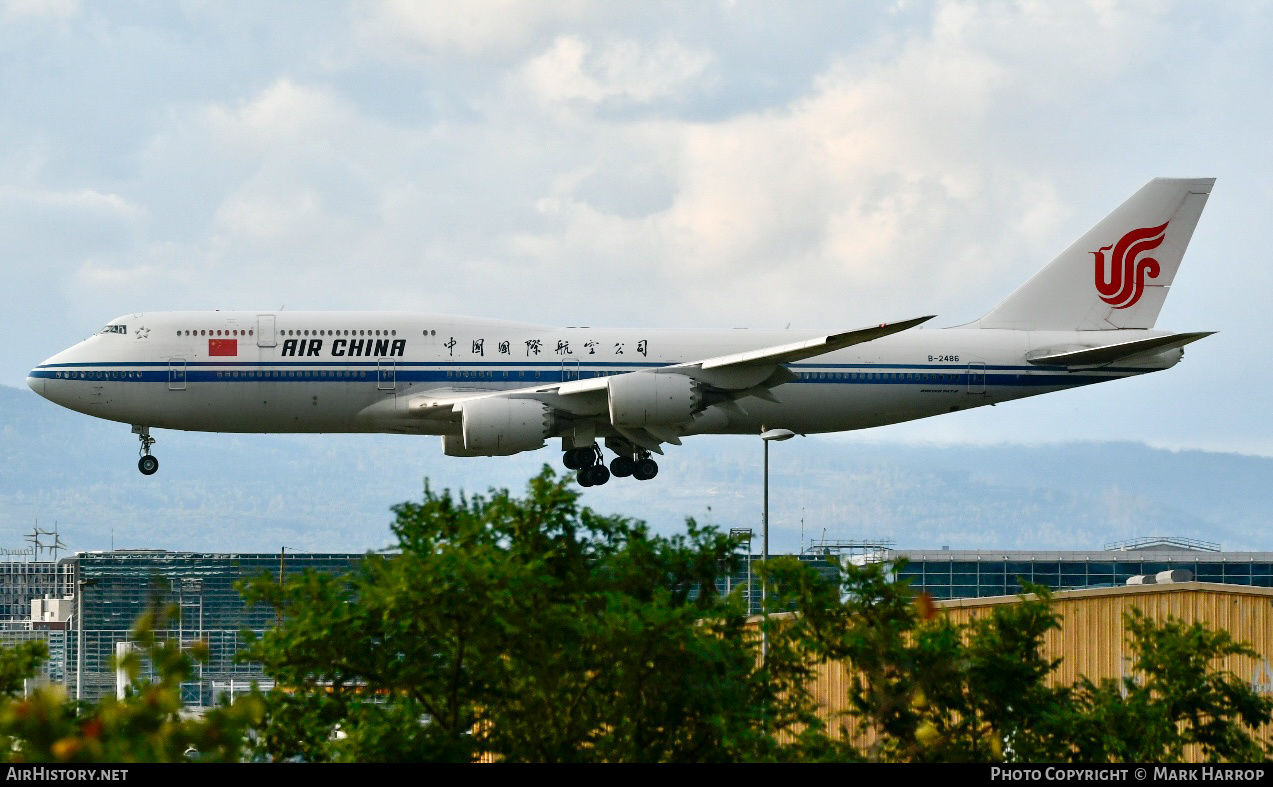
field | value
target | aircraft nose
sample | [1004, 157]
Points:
[37, 379]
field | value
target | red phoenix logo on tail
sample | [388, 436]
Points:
[1121, 281]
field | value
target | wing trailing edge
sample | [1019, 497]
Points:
[798, 351]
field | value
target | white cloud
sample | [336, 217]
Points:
[614, 163]
[39, 9]
[457, 26]
[283, 116]
[627, 71]
[83, 200]
[51, 230]
[896, 179]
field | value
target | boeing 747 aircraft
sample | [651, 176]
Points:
[493, 388]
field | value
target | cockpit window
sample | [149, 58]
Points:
[115, 329]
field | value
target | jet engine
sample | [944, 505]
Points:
[653, 399]
[499, 426]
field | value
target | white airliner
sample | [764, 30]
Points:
[493, 388]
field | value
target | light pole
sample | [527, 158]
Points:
[282, 583]
[767, 436]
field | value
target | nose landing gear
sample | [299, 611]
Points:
[147, 464]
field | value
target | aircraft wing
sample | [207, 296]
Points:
[798, 351]
[1111, 353]
[748, 373]
[756, 359]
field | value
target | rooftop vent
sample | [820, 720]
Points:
[1162, 577]
[1160, 543]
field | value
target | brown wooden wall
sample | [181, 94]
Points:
[1092, 639]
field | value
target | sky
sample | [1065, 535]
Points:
[697, 165]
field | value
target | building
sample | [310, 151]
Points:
[951, 574]
[744, 582]
[117, 587]
[32, 598]
[85, 607]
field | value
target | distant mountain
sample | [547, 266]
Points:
[256, 493]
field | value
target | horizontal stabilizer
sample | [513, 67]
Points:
[1110, 353]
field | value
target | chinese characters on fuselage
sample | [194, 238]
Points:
[396, 348]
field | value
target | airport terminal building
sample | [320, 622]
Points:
[954, 574]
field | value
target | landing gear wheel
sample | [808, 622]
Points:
[645, 470]
[147, 464]
[622, 466]
[579, 458]
[584, 478]
[597, 475]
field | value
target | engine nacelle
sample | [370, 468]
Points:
[499, 426]
[653, 399]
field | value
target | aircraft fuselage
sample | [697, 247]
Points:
[357, 372]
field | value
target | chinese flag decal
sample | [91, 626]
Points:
[223, 347]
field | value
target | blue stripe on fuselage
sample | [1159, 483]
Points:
[548, 371]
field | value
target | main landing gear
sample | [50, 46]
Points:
[147, 464]
[590, 463]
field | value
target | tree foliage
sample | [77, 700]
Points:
[1173, 699]
[925, 689]
[524, 629]
[921, 687]
[533, 629]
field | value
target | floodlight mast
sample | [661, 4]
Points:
[767, 436]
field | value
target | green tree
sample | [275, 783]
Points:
[924, 689]
[1175, 699]
[526, 629]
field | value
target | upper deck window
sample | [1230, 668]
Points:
[115, 329]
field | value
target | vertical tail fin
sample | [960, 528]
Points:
[1117, 275]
